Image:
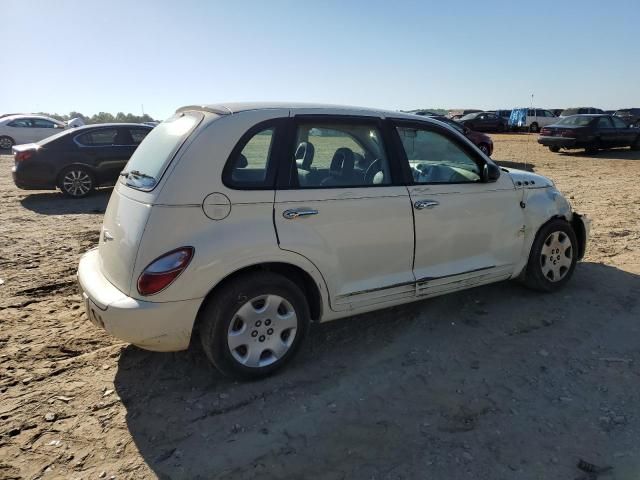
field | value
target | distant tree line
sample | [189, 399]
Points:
[102, 117]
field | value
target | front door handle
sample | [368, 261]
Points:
[422, 204]
[298, 212]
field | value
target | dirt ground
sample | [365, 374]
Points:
[493, 383]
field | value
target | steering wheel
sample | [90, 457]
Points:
[375, 167]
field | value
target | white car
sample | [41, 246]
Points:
[245, 222]
[21, 129]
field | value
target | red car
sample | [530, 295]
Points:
[480, 140]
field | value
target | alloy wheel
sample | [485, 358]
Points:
[5, 143]
[77, 183]
[556, 256]
[262, 331]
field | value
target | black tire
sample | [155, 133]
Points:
[534, 276]
[76, 181]
[593, 148]
[220, 311]
[534, 128]
[484, 148]
[6, 142]
[554, 149]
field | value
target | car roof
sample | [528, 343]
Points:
[233, 107]
[108, 125]
[28, 115]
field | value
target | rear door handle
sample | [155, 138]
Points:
[298, 212]
[422, 204]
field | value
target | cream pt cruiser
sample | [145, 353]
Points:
[245, 222]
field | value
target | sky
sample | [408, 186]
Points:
[91, 56]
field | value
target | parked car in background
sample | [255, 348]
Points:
[581, 111]
[591, 132]
[264, 253]
[480, 140]
[504, 114]
[455, 114]
[557, 111]
[631, 116]
[77, 160]
[531, 119]
[18, 129]
[483, 122]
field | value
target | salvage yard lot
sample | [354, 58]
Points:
[495, 382]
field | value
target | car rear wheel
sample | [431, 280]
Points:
[554, 149]
[254, 325]
[77, 182]
[553, 257]
[6, 143]
[534, 127]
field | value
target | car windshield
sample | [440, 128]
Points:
[146, 165]
[576, 120]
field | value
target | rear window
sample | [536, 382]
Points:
[148, 162]
[569, 111]
[576, 121]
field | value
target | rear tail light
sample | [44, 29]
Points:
[545, 131]
[23, 155]
[160, 273]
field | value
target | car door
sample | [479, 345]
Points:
[607, 133]
[97, 148]
[20, 130]
[468, 231]
[341, 204]
[625, 135]
[43, 128]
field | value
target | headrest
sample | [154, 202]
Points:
[304, 155]
[342, 162]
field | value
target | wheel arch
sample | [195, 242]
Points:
[298, 275]
[63, 169]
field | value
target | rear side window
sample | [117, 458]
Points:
[249, 166]
[22, 123]
[138, 134]
[98, 138]
[161, 144]
[604, 122]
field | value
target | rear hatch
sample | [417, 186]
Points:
[131, 201]
[124, 223]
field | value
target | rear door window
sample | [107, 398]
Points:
[98, 138]
[604, 122]
[21, 123]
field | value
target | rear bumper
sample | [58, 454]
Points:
[159, 326]
[561, 142]
[27, 182]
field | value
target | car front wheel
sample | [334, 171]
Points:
[554, 149]
[254, 325]
[534, 127]
[553, 257]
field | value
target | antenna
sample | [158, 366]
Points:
[142, 106]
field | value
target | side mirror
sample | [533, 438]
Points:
[490, 172]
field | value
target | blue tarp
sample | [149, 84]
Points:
[518, 117]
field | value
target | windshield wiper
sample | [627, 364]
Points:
[137, 173]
